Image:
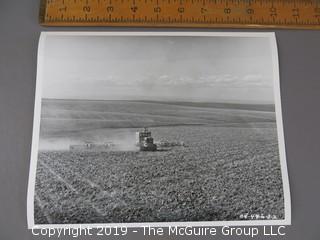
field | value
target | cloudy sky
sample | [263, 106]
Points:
[211, 69]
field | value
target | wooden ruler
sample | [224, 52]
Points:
[182, 13]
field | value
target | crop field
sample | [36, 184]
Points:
[228, 167]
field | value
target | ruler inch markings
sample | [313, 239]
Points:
[182, 13]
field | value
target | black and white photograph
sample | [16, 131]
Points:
[158, 128]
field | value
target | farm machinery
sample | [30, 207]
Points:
[92, 147]
[144, 143]
[144, 140]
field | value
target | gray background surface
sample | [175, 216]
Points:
[299, 54]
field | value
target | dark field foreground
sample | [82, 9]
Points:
[222, 173]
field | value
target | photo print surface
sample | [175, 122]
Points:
[158, 128]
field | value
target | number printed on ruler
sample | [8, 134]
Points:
[183, 13]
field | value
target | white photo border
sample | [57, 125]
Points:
[279, 123]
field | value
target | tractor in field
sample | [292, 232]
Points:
[144, 140]
[144, 143]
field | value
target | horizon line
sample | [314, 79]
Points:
[149, 100]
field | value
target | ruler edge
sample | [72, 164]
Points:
[179, 25]
[44, 23]
[42, 12]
